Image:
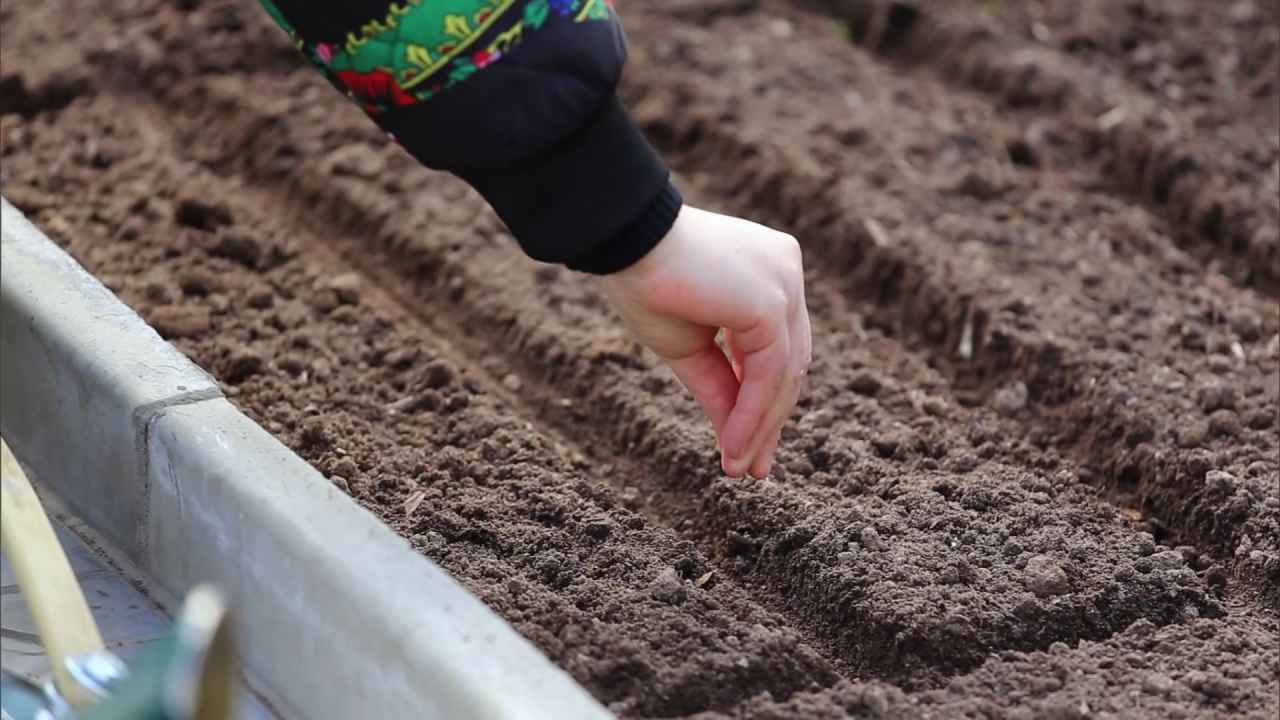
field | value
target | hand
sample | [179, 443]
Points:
[711, 272]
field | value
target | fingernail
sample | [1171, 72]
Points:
[732, 467]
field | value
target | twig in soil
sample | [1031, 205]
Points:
[409, 404]
[1238, 351]
[965, 348]
[413, 502]
[878, 234]
[859, 330]
[1112, 118]
[907, 169]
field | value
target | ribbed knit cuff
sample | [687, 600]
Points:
[636, 239]
[596, 202]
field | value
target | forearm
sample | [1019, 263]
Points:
[515, 97]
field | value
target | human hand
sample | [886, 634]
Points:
[711, 272]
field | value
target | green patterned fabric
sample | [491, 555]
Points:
[421, 47]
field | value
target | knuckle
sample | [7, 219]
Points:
[793, 255]
[791, 269]
[774, 304]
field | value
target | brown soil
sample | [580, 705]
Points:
[1037, 471]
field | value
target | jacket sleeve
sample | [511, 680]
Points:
[516, 97]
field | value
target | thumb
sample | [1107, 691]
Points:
[710, 379]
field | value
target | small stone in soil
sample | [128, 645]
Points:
[321, 369]
[1011, 398]
[316, 437]
[158, 293]
[512, 382]
[323, 300]
[346, 467]
[667, 587]
[202, 215]
[342, 483]
[130, 230]
[1247, 324]
[871, 539]
[238, 246]
[347, 288]
[1224, 423]
[740, 544]
[173, 322]
[261, 299]
[1220, 364]
[936, 407]
[1262, 419]
[865, 383]
[1046, 578]
[886, 444]
[1216, 396]
[292, 364]
[875, 701]
[439, 374]
[1168, 560]
[598, 528]
[196, 284]
[1193, 435]
[1219, 481]
[1145, 543]
[242, 365]
[402, 358]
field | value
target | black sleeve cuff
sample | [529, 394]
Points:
[596, 202]
[636, 239]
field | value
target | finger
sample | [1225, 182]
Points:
[764, 445]
[763, 461]
[735, 353]
[802, 336]
[763, 378]
[710, 379]
[760, 452]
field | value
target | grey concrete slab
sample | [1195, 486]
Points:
[80, 375]
[381, 631]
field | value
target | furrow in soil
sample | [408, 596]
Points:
[1202, 669]
[888, 612]
[361, 388]
[1160, 385]
[1151, 127]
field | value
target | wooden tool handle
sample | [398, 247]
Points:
[62, 616]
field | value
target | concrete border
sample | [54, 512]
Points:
[337, 616]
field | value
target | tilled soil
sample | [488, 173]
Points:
[1036, 473]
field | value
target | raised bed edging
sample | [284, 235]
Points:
[337, 616]
[79, 373]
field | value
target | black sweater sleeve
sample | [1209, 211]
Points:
[516, 97]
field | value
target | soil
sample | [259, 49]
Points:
[1037, 471]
